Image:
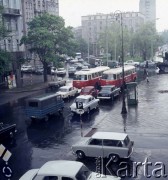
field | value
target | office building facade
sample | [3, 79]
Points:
[94, 25]
[148, 8]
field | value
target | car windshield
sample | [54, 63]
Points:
[85, 90]
[83, 173]
[107, 89]
[80, 100]
[63, 90]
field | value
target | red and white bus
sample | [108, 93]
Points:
[114, 76]
[88, 77]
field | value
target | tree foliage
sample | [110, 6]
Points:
[81, 45]
[143, 42]
[49, 39]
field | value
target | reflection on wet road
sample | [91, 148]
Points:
[39, 142]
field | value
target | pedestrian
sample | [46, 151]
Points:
[147, 79]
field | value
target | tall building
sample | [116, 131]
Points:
[94, 25]
[12, 19]
[148, 8]
[32, 8]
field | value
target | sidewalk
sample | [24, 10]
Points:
[12, 95]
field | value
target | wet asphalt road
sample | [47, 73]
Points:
[146, 125]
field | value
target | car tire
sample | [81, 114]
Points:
[97, 107]
[114, 157]
[80, 154]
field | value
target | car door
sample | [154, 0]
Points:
[113, 147]
[94, 148]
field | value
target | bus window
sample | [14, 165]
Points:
[114, 76]
[83, 77]
[108, 76]
[100, 74]
[89, 77]
[93, 75]
[118, 76]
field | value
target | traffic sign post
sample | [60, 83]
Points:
[79, 106]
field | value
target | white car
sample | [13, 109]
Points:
[67, 91]
[131, 62]
[53, 70]
[88, 102]
[64, 170]
[61, 71]
[26, 68]
[104, 144]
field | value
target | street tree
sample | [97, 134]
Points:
[146, 40]
[81, 45]
[111, 38]
[49, 39]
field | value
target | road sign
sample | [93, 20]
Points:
[79, 105]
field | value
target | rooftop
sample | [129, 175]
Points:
[109, 135]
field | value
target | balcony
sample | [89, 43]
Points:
[11, 12]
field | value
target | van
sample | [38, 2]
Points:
[42, 106]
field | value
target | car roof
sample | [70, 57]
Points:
[108, 86]
[88, 87]
[109, 135]
[84, 96]
[60, 168]
[65, 87]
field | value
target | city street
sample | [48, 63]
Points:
[146, 125]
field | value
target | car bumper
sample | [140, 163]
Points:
[103, 97]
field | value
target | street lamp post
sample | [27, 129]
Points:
[124, 110]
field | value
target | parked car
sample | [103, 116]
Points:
[104, 144]
[89, 90]
[7, 131]
[132, 62]
[71, 70]
[53, 70]
[67, 91]
[88, 101]
[108, 92]
[86, 64]
[40, 107]
[85, 67]
[61, 71]
[27, 69]
[78, 65]
[113, 64]
[56, 84]
[55, 170]
[39, 70]
[147, 64]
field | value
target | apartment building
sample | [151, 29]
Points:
[12, 19]
[148, 8]
[32, 8]
[94, 25]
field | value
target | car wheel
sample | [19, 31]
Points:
[11, 134]
[97, 107]
[80, 154]
[114, 157]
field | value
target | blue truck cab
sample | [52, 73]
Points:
[40, 107]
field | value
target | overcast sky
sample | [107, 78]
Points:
[72, 10]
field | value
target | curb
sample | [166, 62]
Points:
[22, 91]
